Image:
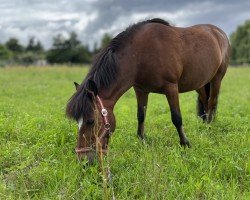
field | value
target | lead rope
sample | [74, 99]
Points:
[107, 176]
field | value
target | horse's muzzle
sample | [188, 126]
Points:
[90, 155]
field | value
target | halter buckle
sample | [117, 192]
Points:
[104, 112]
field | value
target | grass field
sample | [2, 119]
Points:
[37, 141]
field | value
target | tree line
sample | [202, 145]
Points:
[71, 50]
[240, 44]
[64, 50]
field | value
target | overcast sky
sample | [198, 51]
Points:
[90, 19]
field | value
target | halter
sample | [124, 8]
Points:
[105, 132]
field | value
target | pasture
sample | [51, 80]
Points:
[37, 160]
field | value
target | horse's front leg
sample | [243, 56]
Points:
[172, 95]
[142, 101]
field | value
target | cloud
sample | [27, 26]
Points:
[92, 18]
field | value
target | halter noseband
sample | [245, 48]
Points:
[105, 132]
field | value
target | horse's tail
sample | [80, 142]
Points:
[200, 107]
[207, 89]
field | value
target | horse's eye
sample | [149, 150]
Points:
[90, 121]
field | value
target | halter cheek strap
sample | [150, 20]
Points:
[104, 112]
[105, 132]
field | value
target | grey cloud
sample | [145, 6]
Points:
[226, 14]
[110, 12]
[91, 18]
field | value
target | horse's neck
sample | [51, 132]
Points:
[123, 82]
[111, 95]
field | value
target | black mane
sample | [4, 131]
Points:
[103, 72]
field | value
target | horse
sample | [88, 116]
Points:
[151, 56]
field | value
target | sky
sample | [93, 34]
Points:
[90, 19]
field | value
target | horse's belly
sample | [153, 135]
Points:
[195, 78]
[190, 87]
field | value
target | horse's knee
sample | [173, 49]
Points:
[176, 118]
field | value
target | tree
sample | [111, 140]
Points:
[68, 50]
[34, 46]
[105, 40]
[5, 53]
[73, 41]
[95, 49]
[13, 45]
[104, 43]
[31, 44]
[59, 42]
[240, 44]
[38, 47]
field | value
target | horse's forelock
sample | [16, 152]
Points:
[79, 105]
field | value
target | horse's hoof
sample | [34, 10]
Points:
[185, 143]
[142, 138]
[209, 121]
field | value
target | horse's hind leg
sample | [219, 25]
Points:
[202, 101]
[213, 98]
[172, 95]
[215, 84]
[142, 101]
[208, 96]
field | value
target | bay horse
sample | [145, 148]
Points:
[151, 56]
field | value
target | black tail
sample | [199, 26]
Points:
[200, 107]
[207, 89]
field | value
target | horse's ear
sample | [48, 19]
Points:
[76, 85]
[92, 87]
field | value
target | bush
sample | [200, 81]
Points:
[240, 44]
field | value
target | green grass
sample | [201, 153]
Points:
[37, 140]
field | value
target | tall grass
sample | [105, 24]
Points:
[37, 141]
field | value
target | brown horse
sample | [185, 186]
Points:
[151, 56]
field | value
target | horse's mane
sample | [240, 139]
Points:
[104, 70]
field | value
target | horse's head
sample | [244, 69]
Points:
[93, 119]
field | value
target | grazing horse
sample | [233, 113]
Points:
[150, 56]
